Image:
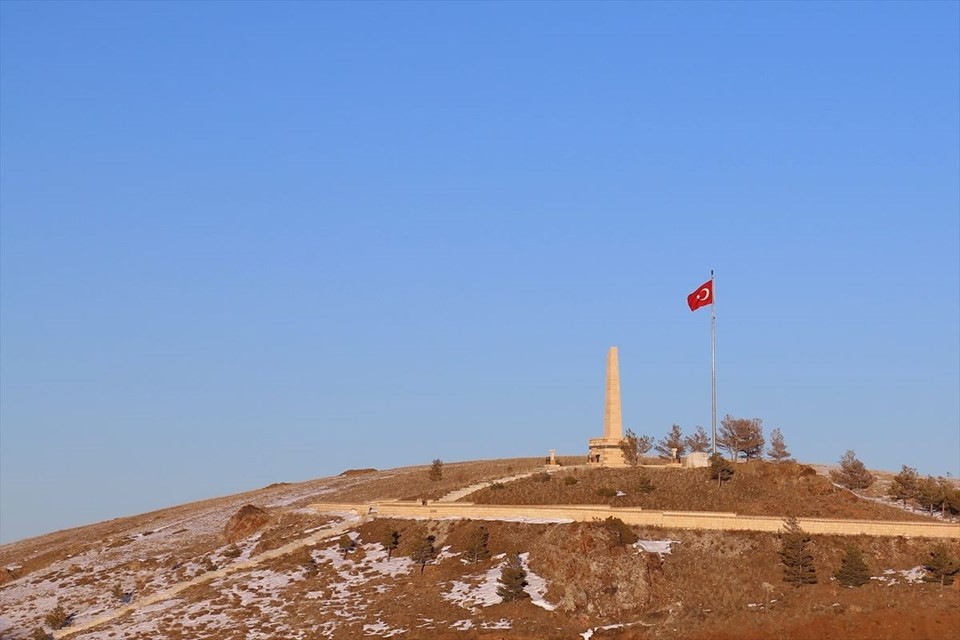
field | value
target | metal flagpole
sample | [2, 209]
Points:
[713, 356]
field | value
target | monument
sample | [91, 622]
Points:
[605, 451]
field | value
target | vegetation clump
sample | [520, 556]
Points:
[570, 480]
[621, 530]
[346, 544]
[58, 618]
[543, 476]
[671, 446]
[634, 447]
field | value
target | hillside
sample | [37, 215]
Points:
[263, 564]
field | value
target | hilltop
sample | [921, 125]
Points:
[265, 564]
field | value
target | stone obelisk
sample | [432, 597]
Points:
[606, 451]
[612, 417]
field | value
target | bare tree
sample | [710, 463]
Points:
[778, 448]
[741, 436]
[699, 441]
[852, 474]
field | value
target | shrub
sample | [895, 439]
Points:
[58, 618]
[40, 634]
[569, 480]
[607, 492]
[644, 485]
[496, 486]
[436, 470]
[543, 476]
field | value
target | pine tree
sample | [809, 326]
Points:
[698, 442]
[390, 542]
[720, 469]
[904, 485]
[778, 448]
[672, 441]
[798, 567]
[477, 545]
[512, 580]
[929, 493]
[853, 571]
[741, 436]
[436, 470]
[852, 474]
[941, 566]
[424, 552]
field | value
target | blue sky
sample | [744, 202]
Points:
[249, 243]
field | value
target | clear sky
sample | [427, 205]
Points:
[247, 243]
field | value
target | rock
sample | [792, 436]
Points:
[245, 522]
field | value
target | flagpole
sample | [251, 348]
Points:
[713, 357]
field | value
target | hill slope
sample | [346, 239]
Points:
[185, 574]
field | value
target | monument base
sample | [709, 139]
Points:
[605, 452]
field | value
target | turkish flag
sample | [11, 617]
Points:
[702, 296]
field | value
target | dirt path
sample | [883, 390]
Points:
[160, 596]
[453, 496]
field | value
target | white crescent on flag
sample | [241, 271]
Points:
[703, 294]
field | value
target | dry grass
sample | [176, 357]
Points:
[757, 488]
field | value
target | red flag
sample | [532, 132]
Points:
[702, 296]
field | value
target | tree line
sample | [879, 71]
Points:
[741, 438]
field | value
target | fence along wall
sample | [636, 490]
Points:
[667, 519]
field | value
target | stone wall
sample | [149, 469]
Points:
[666, 519]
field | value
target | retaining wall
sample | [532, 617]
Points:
[667, 519]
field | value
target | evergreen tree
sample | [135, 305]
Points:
[853, 571]
[904, 485]
[852, 474]
[778, 448]
[741, 436]
[512, 580]
[673, 440]
[720, 469]
[390, 542]
[941, 566]
[698, 442]
[929, 493]
[477, 545]
[798, 567]
[436, 470]
[424, 552]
